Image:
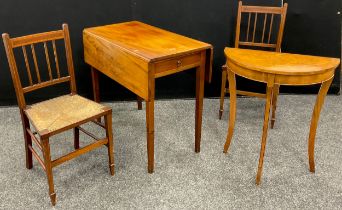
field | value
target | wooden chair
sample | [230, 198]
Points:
[58, 114]
[250, 40]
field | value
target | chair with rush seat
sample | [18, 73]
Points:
[267, 15]
[56, 115]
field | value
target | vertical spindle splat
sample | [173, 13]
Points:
[47, 60]
[56, 58]
[35, 63]
[249, 21]
[28, 70]
[270, 31]
[263, 30]
[255, 24]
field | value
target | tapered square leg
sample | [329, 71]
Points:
[139, 102]
[96, 86]
[150, 134]
[76, 138]
[28, 140]
[95, 82]
[48, 169]
[200, 73]
[110, 144]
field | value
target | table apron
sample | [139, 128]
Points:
[303, 79]
[280, 78]
[177, 64]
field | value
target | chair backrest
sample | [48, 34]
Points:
[32, 40]
[265, 13]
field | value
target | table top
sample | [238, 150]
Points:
[148, 42]
[280, 63]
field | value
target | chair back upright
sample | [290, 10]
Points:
[33, 71]
[267, 14]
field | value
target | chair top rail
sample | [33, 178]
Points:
[262, 9]
[37, 38]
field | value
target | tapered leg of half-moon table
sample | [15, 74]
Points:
[274, 103]
[223, 89]
[314, 122]
[264, 130]
[232, 109]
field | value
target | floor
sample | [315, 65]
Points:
[182, 178]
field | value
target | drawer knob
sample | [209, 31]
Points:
[179, 63]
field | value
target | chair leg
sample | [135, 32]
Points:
[223, 90]
[264, 132]
[28, 140]
[139, 102]
[274, 103]
[76, 138]
[110, 144]
[314, 122]
[48, 169]
[232, 109]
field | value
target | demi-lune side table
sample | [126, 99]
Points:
[134, 54]
[281, 69]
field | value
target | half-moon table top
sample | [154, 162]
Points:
[280, 63]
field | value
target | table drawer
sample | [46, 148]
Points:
[163, 68]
